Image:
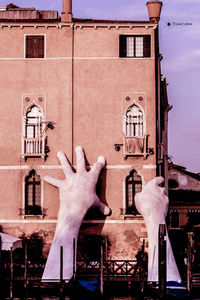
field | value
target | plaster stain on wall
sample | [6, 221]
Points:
[182, 179]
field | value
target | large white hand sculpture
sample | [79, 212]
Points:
[77, 194]
[152, 203]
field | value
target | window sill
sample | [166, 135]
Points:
[25, 156]
[38, 215]
[145, 155]
[130, 217]
[32, 216]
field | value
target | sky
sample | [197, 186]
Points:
[180, 46]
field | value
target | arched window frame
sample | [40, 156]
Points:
[38, 211]
[135, 139]
[138, 130]
[33, 144]
[130, 182]
[35, 122]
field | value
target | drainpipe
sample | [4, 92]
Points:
[154, 11]
[66, 15]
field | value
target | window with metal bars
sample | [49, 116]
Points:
[134, 45]
[34, 46]
[133, 122]
[133, 186]
[33, 194]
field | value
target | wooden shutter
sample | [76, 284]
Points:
[28, 46]
[41, 46]
[122, 46]
[147, 45]
[34, 46]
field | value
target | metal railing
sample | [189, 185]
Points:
[135, 145]
[34, 146]
[111, 268]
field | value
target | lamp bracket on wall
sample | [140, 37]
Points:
[49, 124]
[118, 146]
[150, 151]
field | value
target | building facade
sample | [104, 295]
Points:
[184, 198]
[68, 82]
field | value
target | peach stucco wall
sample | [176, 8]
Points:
[85, 97]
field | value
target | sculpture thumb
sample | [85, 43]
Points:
[104, 209]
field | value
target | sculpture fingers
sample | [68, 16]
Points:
[104, 209]
[159, 180]
[67, 169]
[97, 167]
[53, 181]
[101, 159]
[80, 159]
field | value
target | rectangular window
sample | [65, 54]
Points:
[174, 219]
[134, 45]
[193, 217]
[34, 47]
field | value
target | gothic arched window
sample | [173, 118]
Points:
[33, 194]
[133, 186]
[33, 123]
[34, 136]
[133, 121]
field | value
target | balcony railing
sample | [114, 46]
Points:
[135, 145]
[33, 147]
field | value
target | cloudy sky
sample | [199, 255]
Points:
[180, 46]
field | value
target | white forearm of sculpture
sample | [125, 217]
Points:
[152, 203]
[77, 194]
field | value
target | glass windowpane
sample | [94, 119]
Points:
[130, 46]
[139, 46]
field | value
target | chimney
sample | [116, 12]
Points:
[66, 15]
[154, 10]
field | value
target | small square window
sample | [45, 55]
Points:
[34, 47]
[134, 46]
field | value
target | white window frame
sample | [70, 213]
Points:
[26, 153]
[129, 129]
